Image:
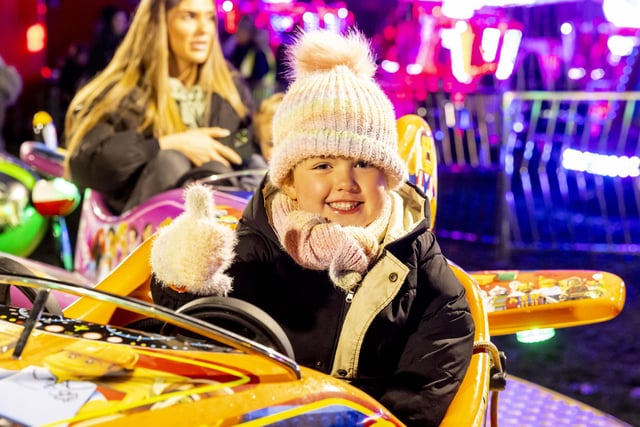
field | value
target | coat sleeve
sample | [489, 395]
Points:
[437, 354]
[112, 154]
[252, 266]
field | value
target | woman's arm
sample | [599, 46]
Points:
[112, 154]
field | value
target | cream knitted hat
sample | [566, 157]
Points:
[335, 108]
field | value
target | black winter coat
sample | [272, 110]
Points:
[415, 351]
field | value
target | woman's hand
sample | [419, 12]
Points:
[201, 146]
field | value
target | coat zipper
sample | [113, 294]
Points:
[345, 307]
[348, 299]
[351, 294]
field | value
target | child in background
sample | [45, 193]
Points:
[263, 120]
[335, 245]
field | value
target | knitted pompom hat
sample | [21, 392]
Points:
[334, 108]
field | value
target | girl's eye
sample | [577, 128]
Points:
[321, 166]
[363, 164]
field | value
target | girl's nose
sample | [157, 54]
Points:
[346, 180]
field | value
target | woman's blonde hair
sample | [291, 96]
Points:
[142, 61]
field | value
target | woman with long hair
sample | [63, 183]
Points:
[167, 102]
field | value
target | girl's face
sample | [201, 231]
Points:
[191, 26]
[344, 191]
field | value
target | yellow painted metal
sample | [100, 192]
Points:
[595, 296]
[129, 278]
[470, 403]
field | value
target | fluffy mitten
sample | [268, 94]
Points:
[192, 253]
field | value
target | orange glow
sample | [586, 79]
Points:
[36, 38]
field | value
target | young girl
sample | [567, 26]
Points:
[335, 245]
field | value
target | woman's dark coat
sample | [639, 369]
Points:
[113, 154]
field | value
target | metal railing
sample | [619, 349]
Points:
[553, 170]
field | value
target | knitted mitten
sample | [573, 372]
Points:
[192, 253]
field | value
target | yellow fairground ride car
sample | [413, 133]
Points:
[222, 362]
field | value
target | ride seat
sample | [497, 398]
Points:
[417, 147]
[469, 406]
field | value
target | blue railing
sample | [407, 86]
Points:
[539, 170]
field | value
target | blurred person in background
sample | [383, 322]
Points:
[263, 124]
[166, 104]
[73, 71]
[110, 31]
[10, 89]
[250, 53]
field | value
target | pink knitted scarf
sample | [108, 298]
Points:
[315, 243]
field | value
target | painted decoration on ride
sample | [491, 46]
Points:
[104, 239]
[79, 380]
[519, 300]
[515, 289]
[417, 146]
[83, 372]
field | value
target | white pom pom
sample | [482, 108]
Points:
[322, 50]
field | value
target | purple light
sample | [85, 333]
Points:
[390, 66]
[601, 164]
[623, 14]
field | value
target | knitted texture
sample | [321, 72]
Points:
[315, 243]
[334, 107]
[193, 251]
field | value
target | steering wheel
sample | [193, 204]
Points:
[224, 179]
[10, 266]
[237, 316]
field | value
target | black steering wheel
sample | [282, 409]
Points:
[237, 316]
[10, 266]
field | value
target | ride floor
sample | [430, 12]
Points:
[526, 404]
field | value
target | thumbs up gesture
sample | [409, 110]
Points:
[192, 253]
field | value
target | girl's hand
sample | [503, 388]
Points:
[201, 146]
